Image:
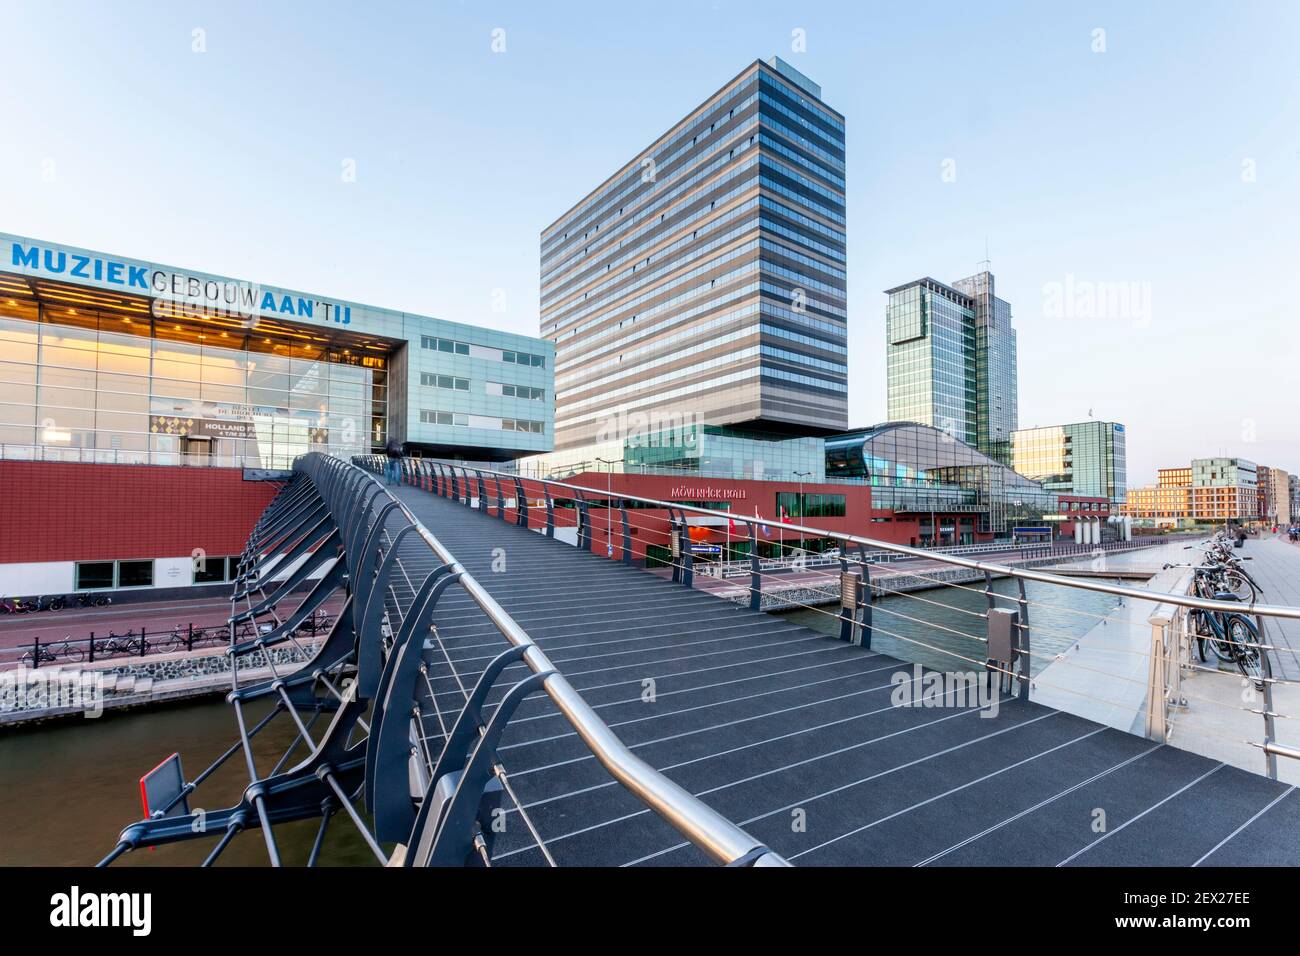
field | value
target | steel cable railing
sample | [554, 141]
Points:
[381, 615]
[596, 516]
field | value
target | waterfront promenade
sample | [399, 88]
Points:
[1104, 675]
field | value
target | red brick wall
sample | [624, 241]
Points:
[57, 511]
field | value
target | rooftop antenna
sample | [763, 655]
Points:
[986, 262]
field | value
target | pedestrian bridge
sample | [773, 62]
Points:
[498, 691]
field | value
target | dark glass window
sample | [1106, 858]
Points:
[134, 574]
[94, 575]
[212, 569]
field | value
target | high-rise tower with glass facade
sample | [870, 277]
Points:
[951, 355]
[704, 282]
[997, 402]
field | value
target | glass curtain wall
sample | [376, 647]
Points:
[87, 384]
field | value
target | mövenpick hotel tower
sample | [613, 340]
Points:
[706, 278]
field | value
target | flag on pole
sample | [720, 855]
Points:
[767, 532]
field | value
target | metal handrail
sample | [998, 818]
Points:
[699, 823]
[1234, 607]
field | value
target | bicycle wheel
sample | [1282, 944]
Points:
[1239, 584]
[1245, 646]
[73, 653]
[1196, 623]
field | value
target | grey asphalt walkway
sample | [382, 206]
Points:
[801, 738]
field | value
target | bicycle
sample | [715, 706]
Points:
[1230, 637]
[126, 643]
[178, 640]
[49, 653]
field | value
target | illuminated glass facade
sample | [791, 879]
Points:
[1084, 458]
[112, 384]
[951, 361]
[705, 451]
[706, 278]
[110, 359]
[915, 468]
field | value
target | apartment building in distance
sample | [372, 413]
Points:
[1208, 491]
[704, 282]
[951, 361]
[1224, 489]
[1274, 496]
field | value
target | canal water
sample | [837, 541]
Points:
[68, 788]
[937, 628]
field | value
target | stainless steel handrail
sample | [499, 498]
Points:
[699, 823]
[1182, 600]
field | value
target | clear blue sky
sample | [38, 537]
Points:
[1117, 166]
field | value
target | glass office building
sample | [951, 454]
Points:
[1084, 458]
[110, 359]
[997, 392]
[951, 361]
[917, 469]
[930, 329]
[705, 280]
[702, 451]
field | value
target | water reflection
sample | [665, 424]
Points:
[68, 789]
[928, 627]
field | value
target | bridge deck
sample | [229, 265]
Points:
[775, 725]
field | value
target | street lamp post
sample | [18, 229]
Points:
[609, 502]
[801, 475]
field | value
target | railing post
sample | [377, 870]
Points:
[550, 511]
[853, 628]
[501, 500]
[627, 532]
[688, 558]
[868, 598]
[143, 642]
[1024, 641]
[92, 648]
[1270, 731]
[482, 492]
[585, 537]
[521, 504]
[675, 547]
[36, 651]
[189, 637]
[1002, 627]
[1156, 677]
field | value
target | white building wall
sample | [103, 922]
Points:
[29, 580]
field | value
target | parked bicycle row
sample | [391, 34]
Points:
[56, 602]
[131, 643]
[1228, 637]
